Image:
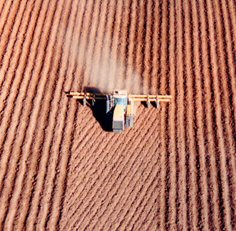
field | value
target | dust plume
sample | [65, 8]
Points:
[109, 73]
[104, 69]
[98, 64]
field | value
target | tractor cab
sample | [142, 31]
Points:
[120, 103]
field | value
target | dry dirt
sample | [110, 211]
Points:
[176, 169]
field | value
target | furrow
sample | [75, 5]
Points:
[232, 73]
[155, 79]
[181, 139]
[192, 204]
[30, 206]
[67, 68]
[84, 59]
[229, 21]
[133, 197]
[2, 6]
[47, 160]
[130, 49]
[9, 176]
[140, 42]
[146, 205]
[232, 14]
[113, 161]
[103, 63]
[113, 158]
[20, 78]
[230, 46]
[118, 181]
[5, 14]
[95, 78]
[89, 59]
[148, 48]
[115, 81]
[13, 56]
[65, 179]
[213, 199]
[164, 206]
[222, 174]
[200, 114]
[10, 31]
[172, 146]
[124, 41]
[224, 53]
[115, 46]
[39, 90]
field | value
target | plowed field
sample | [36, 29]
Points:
[175, 170]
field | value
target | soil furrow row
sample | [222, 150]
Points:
[84, 59]
[130, 49]
[2, 6]
[116, 45]
[5, 14]
[232, 15]
[13, 56]
[113, 159]
[231, 56]
[40, 136]
[156, 47]
[215, 72]
[225, 84]
[181, 177]
[133, 197]
[164, 61]
[172, 146]
[25, 149]
[129, 168]
[67, 68]
[9, 35]
[46, 158]
[103, 62]
[95, 64]
[138, 41]
[147, 207]
[125, 60]
[89, 165]
[15, 115]
[148, 49]
[20, 76]
[190, 117]
[232, 72]
[200, 114]
[89, 59]
[213, 193]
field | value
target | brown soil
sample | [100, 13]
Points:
[176, 169]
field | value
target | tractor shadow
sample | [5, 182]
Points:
[99, 110]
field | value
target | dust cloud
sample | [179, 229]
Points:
[100, 66]
[109, 73]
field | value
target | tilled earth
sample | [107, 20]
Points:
[175, 170]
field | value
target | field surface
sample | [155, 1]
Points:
[175, 170]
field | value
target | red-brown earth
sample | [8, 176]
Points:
[175, 170]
